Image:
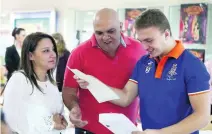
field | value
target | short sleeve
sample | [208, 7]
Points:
[74, 62]
[14, 97]
[196, 77]
[135, 75]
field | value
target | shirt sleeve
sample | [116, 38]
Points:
[8, 60]
[74, 62]
[135, 75]
[196, 77]
[13, 107]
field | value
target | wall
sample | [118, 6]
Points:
[173, 14]
[68, 12]
[61, 6]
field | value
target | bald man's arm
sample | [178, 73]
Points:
[70, 98]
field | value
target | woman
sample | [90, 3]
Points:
[32, 103]
[13, 53]
[63, 58]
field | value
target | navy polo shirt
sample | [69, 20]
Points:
[165, 86]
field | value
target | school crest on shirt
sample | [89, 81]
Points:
[172, 73]
[148, 67]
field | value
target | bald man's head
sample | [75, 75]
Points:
[105, 18]
[106, 14]
[107, 29]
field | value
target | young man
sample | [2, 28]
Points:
[109, 56]
[173, 85]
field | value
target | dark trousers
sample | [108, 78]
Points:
[211, 109]
[82, 131]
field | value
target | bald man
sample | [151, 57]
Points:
[109, 56]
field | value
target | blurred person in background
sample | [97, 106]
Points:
[13, 53]
[208, 65]
[32, 103]
[63, 54]
[3, 125]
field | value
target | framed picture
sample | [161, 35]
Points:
[35, 21]
[199, 53]
[130, 16]
[193, 23]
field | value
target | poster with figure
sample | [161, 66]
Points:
[130, 15]
[193, 23]
[199, 53]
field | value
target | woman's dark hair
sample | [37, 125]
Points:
[17, 31]
[29, 45]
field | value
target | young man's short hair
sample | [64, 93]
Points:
[152, 18]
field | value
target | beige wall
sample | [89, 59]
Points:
[63, 6]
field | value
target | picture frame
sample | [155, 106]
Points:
[199, 53]
[35, 21]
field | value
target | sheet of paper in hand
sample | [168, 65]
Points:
[117, 123]
[98, 89]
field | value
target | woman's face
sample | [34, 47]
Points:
[44, 56]
[20, 37]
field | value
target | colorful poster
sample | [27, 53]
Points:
[199, 53]
[130, 15]
[193, 23]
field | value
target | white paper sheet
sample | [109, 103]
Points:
[205, 132]
[99, 90]
[68, 131]
[117, 123]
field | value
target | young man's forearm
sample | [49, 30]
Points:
[126, 95]
[190, 124]
[123, 98]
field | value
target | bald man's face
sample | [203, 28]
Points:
[107, 34]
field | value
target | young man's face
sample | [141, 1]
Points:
[153, 40]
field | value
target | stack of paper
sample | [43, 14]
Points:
[99, 90]
[117, 123]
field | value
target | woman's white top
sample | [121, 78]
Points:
[29, 111]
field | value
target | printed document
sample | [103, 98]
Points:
[117, 123]
[98, 89]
